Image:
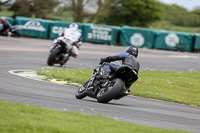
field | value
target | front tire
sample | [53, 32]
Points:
[81, 92]
[106, 95]
[52, 57]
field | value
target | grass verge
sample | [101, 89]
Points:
[19, 118]
[172, 86]
[6, 13]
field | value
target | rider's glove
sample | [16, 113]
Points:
[102, 60]
[75, 44]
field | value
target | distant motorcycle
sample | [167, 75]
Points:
[59, 53]
[13, 33]
[103, 88]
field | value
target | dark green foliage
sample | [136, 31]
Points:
[36, 8]
[178, 15]
[133, 13]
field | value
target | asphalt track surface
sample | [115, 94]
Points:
[31, 54]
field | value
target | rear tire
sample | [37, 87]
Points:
[105, 96]
[52, 57]
[81, 92]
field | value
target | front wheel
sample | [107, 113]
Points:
[107, 94]
[81, 92]
[52, 57]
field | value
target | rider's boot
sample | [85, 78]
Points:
[74, 55]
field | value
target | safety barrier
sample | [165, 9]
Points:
[57, 27]
[100, 33]
[137, 36]
[174, 41]
[125, 35]
[197, 42]
[33, 27]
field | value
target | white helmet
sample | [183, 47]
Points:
[73, 26]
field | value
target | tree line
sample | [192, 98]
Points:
[110, 12]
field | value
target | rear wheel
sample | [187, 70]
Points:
[107, 94]
[81, 92]
[52, 57]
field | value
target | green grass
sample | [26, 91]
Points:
[74, 75]
[178, 28]
[181, 28]
[19, 118]
[172, 86]
[180, 87]
[169, 27]
[6, 13]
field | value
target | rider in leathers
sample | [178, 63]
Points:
[128, 59]
[73, 35]
[6, 27]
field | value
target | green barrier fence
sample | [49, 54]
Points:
[137, 36]
[197, 42]
[33, 27]
[174, 41]
[100, 33]
[57, 27]
[125, 36]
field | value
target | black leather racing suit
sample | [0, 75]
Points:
[127, 60]
[6, 28]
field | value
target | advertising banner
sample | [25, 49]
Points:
[57, 27]
[137, 36]
[174, 41]
[33, 27]
[100, 33]
[197, 42]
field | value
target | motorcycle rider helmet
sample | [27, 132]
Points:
[3, 19]
[132, 50]
[73, 26]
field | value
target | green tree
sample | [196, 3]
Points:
[178, 15]
[37, 8]
[5, 2]
[133, 13]
[80, 9]
[175, 14]
[196, 12]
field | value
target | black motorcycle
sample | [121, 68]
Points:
[59, 54]
[14, 32]
[104, 86]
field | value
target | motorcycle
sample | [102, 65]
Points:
[14, 32]
[103, 86]
[59, 53]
